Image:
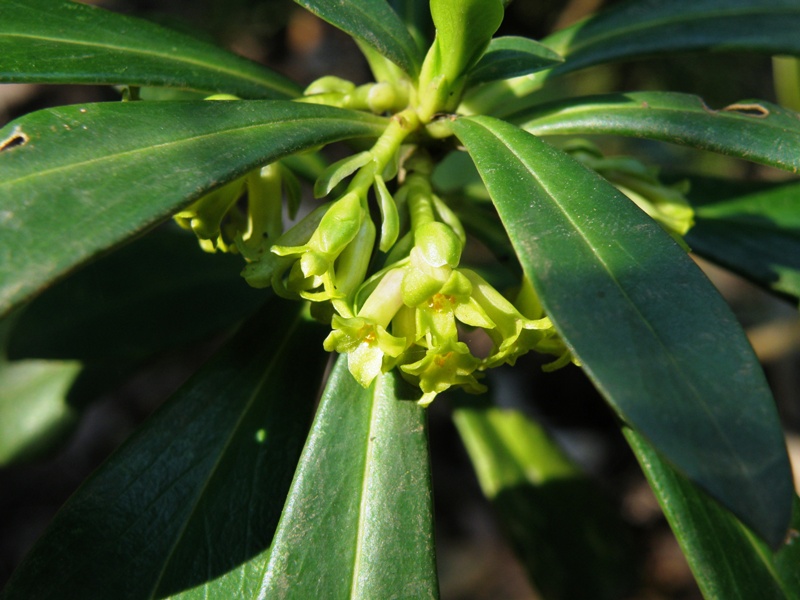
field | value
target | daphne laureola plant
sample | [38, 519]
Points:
[445, 147]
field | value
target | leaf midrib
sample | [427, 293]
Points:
[287, 336]
[668, 20]
[364, 491]
[656, 336]
[174, 143]
[580, 110]
[212, 67]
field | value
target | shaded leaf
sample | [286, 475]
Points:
[56, 41]
[568, 536]
[653, 334]
[374, 23]
[416, 14]
[512, 56]
[747, 129]
[189, 504]
[755, 233]
[358, 520]
[727, 560]
[637, 28]
[116, 169]
[153, 294]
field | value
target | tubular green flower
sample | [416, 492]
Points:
[513, 334]
[316, 258]
[443, 367]
[436, 317]
[364, 337]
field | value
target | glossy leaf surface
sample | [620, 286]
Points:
[637, 28]
[188, 506]
[56, 41]
[745, 130]
[374, 23]
[651, 331]
[564, 530]
[727, 560]
[512, 56]
[358, 520]
[115, 169]
[755, 234]
[153, 294]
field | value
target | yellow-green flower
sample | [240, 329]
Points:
[443, 367]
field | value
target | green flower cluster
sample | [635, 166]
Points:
[414, 312]
[241, 215]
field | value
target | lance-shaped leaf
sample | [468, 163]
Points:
[651, 331]
[747, 129]
[190, 503]
[727, 560]
[374, 23]
[564, 530]
[358, 520]
[153, 294]
[512, 56]
[59, 41]
[755, 234]
[77, 180]
[636, 28]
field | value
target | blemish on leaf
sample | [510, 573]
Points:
[750, 110]
[791, 536]
[17, 138]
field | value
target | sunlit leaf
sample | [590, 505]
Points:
[57, 41]
[130, 165]
[358, 520]
[745, 129]
[651, 331]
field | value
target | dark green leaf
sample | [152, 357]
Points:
[416, 14]
[727, 560]
[756, 234]
[156, 293]
[34, 413]
[568, 536]
[637, 28]
[746, 129]
[512, 56]
[374, 23]
[191, 502]
[56, 41]
[651, 331]
[358, 520]
[79, 179]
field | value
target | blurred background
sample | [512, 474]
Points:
[475, 561]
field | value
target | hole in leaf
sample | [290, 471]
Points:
[751, 110]
[17, 138]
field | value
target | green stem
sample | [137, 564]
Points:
[400, 127]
